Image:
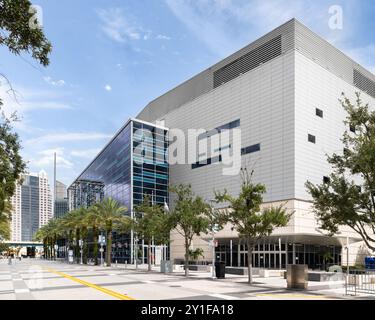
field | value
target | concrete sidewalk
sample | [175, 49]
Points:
[41, 280]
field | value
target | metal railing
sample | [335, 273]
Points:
[360, 282]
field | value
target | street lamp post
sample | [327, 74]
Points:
[347, 257]
[280, 255]
[101, 240]
[213, 241]
[56, 247]
[81, 250]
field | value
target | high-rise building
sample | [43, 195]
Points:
[61, 204]
[32, 206]
[278, 98]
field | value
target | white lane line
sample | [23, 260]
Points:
[21, 290]
[224, 296]
[147, 281]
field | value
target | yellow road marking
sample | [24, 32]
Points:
[291, 295]
[91, 285]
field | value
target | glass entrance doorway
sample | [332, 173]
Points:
[271, 255]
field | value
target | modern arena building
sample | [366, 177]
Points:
[282, 92]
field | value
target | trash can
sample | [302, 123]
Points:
[220, 270]
[297, 276]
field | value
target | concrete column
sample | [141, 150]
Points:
[294, 253]
[132, 247]
[239, 255]
[231, 251]
[143, 251]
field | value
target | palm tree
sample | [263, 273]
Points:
[70, 221]
[41, 235]
[54, 230]
[93, 221]
[111, 213]
[81, 232]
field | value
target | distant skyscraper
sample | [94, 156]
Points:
[32, 206]
[61, 201]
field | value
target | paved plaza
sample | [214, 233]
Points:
[34, 279]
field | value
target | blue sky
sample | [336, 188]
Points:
[110, 58]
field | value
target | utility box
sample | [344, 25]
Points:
[297, 276]
[166, 266]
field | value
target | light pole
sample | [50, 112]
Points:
[56, 247]
[213, 229]
[347, 257]
[101, 240]
[280, 255]
[81, 250]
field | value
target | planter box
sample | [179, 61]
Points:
[178, 267]
[236, 270]
[297, 276]
[264, 273]
[326, 276]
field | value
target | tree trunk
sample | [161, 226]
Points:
[85, 245]
[149, 254]
[95, 232]
[54, 250]
[108, 249]
[49, 249]
[77, 245]
[186, 257]
[249, 261]
[45, 248]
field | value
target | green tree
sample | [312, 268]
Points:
[250, 221]
[93, 221]
[348, 198]
[196, 253]
[11, 163]
[69, 224]
[21, 32]
[152, 224]
[5, 216]
[111, 214]
[189, 217]
[48, 234]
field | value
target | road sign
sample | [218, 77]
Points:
[70, 256]
[214, 243]
[56, 247]
[101, 250]
[80, 242]
[101, 239]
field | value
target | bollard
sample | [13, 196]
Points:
[116, 263]
[126, 264]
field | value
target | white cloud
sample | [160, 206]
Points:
[363, 55]
[120, 27]
[48, 161]
[224, 26]
[86, 154]
[162, 37]
[55, 83]
[24, 100]
[107, 87]
[33, 105]
[57, 138]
